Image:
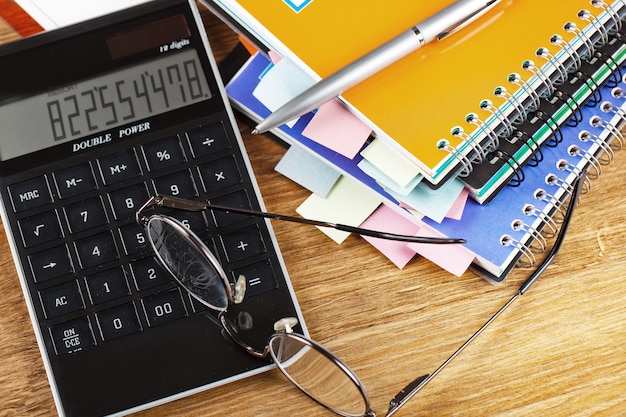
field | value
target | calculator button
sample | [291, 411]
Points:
[85, 215]
[41, 228]
[96, 250]
[72, 336]
[62, 299]
[163, 153]
[75, 180]
[149, 274]
[30, 194]
[127, 201]
[219, 174]
[237, 199]
[260, 277]
[164, 307]
[107, 285]
[118, 321]
[50, 264]
[207, 140]
[179, 184]
[119, 167]
[243, 243]
[192, 220]
[134, 239]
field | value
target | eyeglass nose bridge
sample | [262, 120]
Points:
[232, 333]
[284, 325]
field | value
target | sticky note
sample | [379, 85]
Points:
[309, 171]
[274, 56]
[456, 212]
[434, 204]
[385, 181]
[334, 127]
[385, 219]
[348, 203]
[453, 258]
[397, 167]
[281, 83]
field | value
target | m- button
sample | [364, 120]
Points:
[75, 180]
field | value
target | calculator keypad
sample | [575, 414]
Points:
[91, 263]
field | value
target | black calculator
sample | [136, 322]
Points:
[94, 119]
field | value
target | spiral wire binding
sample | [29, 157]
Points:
[608, 154]
[542, 195]
[467, 164]
[597, 143]
[523, 108]
[592, 161]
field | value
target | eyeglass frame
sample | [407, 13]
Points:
[284, 327]
[236, 293]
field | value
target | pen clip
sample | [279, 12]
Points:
[469, 19]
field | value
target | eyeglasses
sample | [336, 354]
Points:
[318, 373]
[309, 366]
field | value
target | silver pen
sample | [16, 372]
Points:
[436, 27]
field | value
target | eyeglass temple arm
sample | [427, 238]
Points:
[415, 386]
[190, 205]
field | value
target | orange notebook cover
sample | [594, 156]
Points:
[414, 103]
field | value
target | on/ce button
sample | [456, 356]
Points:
[72, 336]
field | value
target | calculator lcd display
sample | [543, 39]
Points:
[86, 108]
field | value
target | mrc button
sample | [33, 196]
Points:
[30, 194]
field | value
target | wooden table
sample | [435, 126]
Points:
[559, 350]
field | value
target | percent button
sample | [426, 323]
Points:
[163, 153]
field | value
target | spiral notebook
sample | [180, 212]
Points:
[417, 104]
[512, 228]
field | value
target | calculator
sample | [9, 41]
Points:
[96, 118]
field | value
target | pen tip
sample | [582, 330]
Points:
[255, 131]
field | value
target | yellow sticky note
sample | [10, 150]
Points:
[395, 166]
[348, 203]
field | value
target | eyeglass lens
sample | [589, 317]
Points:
[318, 374]
[185, 260]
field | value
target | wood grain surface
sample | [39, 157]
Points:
[558, 351]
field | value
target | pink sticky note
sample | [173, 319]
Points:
[385, 219]
[453, 258]
[456, 212]
[334, 127]
[274, 56]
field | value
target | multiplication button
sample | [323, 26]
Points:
[219, 174]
